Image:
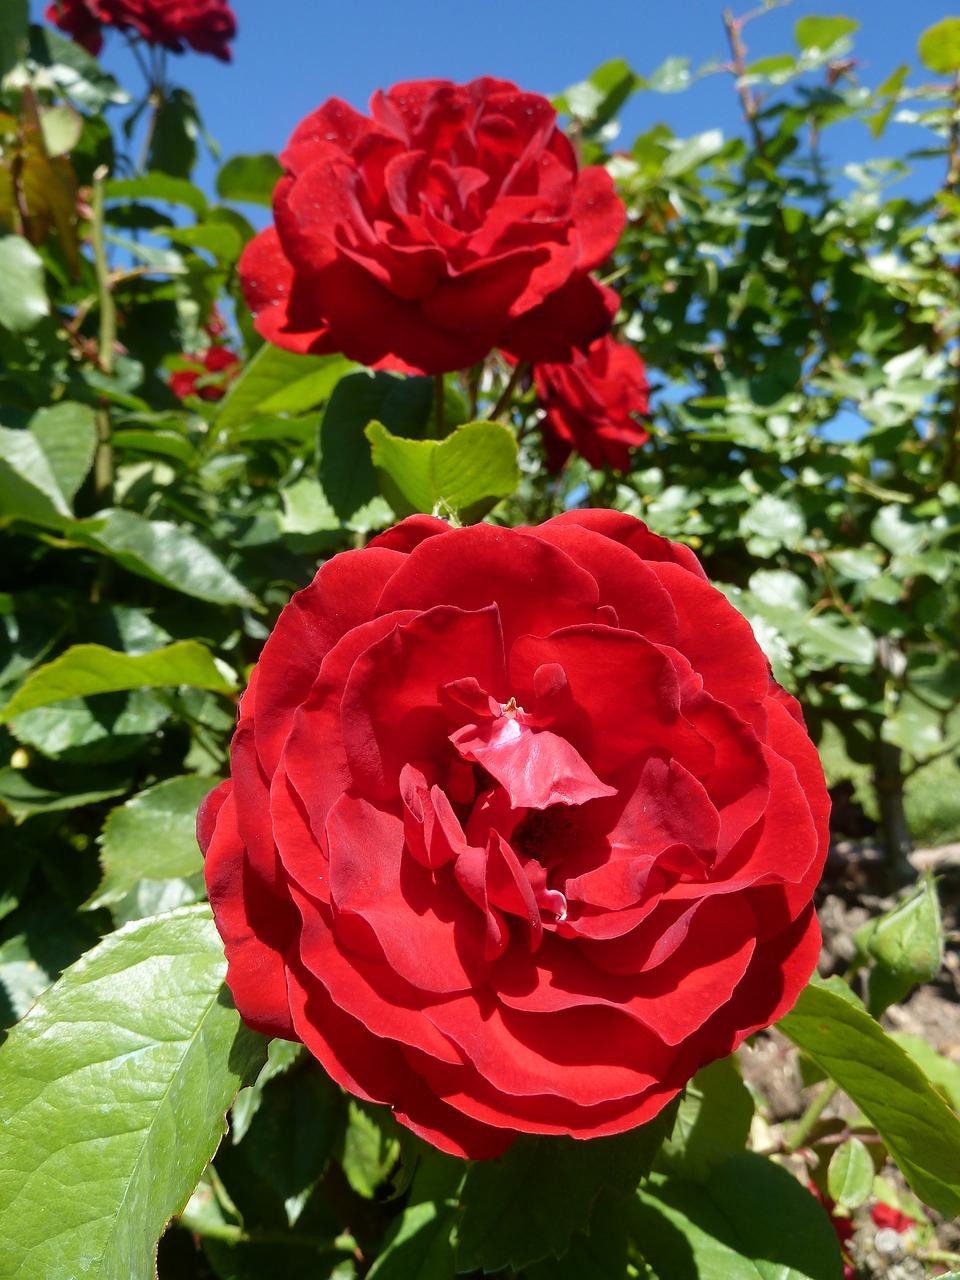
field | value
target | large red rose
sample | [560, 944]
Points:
[204, 25]
[451, 220]
[520, 831]
[589, 405]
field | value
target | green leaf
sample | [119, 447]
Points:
[939, 47]
[752, 1221]
[281, 1056]
[528, 1204]
[62, 129]
[249, 179]
[942, 1072]
[67, 434]
[277, 381]
[157, 186]
[371, 1147]
[151, 837]
[602, 1253]
[920, 1131]
[850, 1174]
[899, 535]
[87, 669]
[74, 70]
[403, 405]
[28, 485]
[23, 798]
[468, 472]
[906, 945]
[692, 153]
[173, 141]
[777, 520]
[598, 99]
[822, 34]
[113, 1092]
[824, 641]
[14, 19]
[419, 1247]
[162, 552]
[23, 295]
[713, 1121]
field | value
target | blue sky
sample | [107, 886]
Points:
[290, 55]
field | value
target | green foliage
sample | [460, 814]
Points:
[142, 1026]
[919, 1130]
[801, 329]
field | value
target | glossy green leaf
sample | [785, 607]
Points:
[824, 641]
[403, 405]
[67, 434]
[905, 945]
[249, 179]
[529, 1203]
[23, 798]
[23, 294]
[113, 1092]
[281, 1056]
[939, 47]
[751, 1221]
[850, 1174]
[942, 1072]
[819, 34]
[370, 1147]
[598, 99]
[164, 553]
[466, 473]
[920, 1131]
[602, 1252]
[420, 1246]
[277, 381]
[713, 1121]
[157, 186]
[74, 70]
[28, 486]
[151, 837]
[87, 669]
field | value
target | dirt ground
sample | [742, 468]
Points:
[849, 894]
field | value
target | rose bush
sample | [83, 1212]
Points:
[204, 25]
[451, 220]
[589, 405]
[520, 831]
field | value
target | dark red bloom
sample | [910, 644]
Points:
[197, 380]
[520, 832]
[204, 25]
[451, 220]
[590, 405]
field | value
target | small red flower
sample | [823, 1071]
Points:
[451, 220]
[204, 25]
[214, 360]
[885, 1215]
[591, 405]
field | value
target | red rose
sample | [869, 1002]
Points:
[520, 831]
[590, 404]
[205, 25]
[214, 360]
[452, 221]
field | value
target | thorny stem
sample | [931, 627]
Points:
[951, 453]
[801, 1131]
[103, 465]
[519, 370]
